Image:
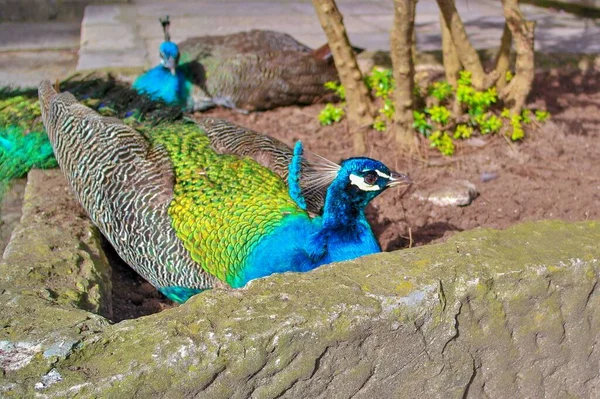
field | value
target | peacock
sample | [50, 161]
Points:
[190, 213]
[248, 71]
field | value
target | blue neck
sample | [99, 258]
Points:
[345, 232]
[300, 244]
[160, 84]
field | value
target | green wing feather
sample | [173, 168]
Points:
[223, 204]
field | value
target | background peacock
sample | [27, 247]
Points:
[188, 215]
[249, 71]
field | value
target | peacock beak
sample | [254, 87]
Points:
[397, 179]
[171, 64]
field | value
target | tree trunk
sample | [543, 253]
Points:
[523, 33]
[404, 71]
[503, 58]
[452, 64]
[466, 53]
[361, 108]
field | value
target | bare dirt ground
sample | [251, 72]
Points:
[553, 174]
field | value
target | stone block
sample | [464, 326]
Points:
[117, 59]
[46, 10]
[23, 36]
[489, 313]
[109, 37]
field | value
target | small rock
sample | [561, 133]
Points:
[584, 65]
[488, 176]
[475, 142]
[458, 193]
[51, 378]
[60, 348]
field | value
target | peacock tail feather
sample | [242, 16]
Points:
[20, 151]
[23, 141]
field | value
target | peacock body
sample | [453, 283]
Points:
[188, 216]
[251, 71]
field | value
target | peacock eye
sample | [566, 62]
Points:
[371, 178]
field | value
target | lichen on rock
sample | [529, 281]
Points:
[488, 313]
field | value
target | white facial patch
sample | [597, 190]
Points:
[360, 183]
[381, 174]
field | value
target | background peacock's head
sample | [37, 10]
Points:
[169, 56]
[364, 179]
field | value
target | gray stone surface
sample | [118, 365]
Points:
[368, 25]
[10, 211]
[28, 68]
[110, 38]
[20, 36]
[493, 314]
[46, 10]
[57, 248]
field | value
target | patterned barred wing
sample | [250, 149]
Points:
[266, 80]
[317, 172]
[125, 185]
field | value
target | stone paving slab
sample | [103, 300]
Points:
[110, 38]
[19, 36]
[28, 68]
[136, 26]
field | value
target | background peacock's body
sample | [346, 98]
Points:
[189, 217]
[253, 71]
[256, 70]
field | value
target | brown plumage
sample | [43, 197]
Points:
[255, 70]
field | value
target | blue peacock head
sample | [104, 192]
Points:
[363, 179]
[169, 52]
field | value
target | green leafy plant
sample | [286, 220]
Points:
[489, 123]
[542, 116]
[526, 116]
[477, 102]
[436, 122]
[382, 82]
[440, 90]
[380, 125]
[463, 131]
[337, 88]
[439, 114]
[517, 128]
[442, 142]
[420, 123]
[330, 114]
